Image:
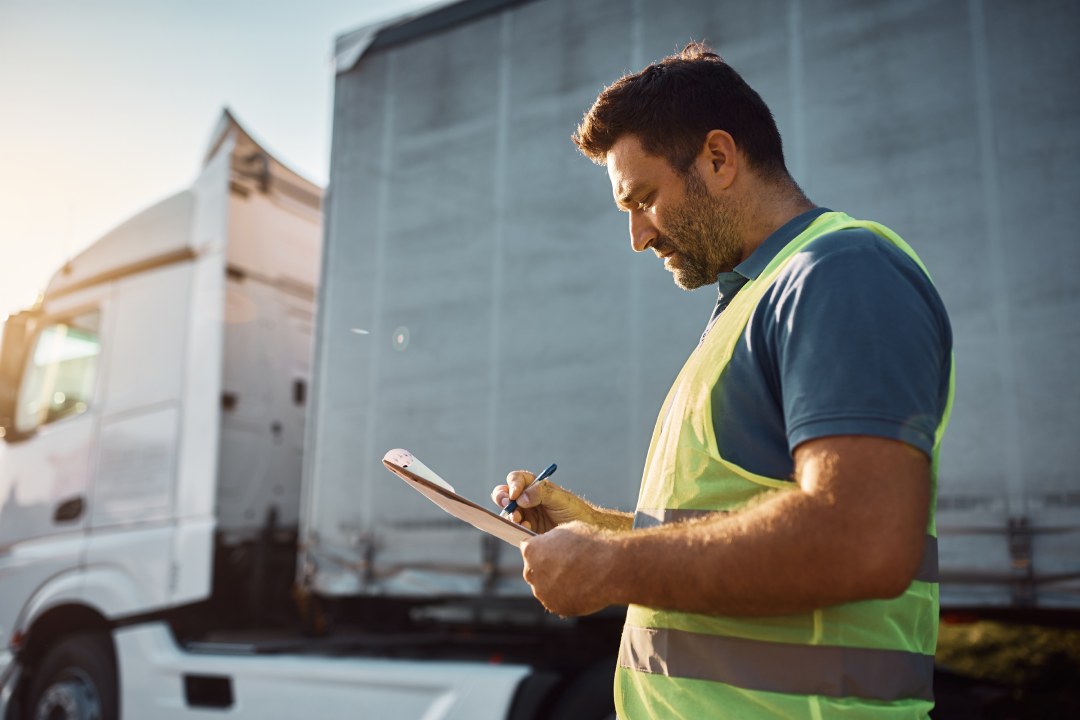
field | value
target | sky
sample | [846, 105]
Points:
[107, 107]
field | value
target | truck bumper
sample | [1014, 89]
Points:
[155, 674]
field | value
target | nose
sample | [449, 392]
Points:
[642, 231]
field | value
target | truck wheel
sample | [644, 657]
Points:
[76, 680]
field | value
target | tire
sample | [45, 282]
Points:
[76, 680]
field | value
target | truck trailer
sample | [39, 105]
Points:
[194, 518]
[508, 324]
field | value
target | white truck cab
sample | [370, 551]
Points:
[152, 406]
[147, 373]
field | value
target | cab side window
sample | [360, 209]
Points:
[60, 370]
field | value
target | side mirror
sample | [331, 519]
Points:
[18, 330]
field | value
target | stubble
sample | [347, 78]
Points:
[703, 232]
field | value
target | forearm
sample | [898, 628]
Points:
[793, 553]
[607, 519]
[851, 527]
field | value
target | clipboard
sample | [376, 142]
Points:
[403, 464]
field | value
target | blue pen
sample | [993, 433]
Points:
[512, 505]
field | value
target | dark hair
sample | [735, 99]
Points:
[672, 105]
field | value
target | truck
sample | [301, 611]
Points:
[158, 552]
[194, 519]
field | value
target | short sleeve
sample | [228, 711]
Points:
[861, 342]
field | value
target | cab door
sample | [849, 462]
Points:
[46, 467]
[48, 451]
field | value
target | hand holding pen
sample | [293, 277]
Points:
[511, 506]
[539, 504]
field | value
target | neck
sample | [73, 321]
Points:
[770, 206]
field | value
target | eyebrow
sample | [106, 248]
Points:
[625, 199]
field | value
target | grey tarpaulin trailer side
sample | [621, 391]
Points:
[460, 215]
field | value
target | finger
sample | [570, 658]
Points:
[525, 499]
[522, 479]
[500, 495]
[526, 524]
[518, 481]
[533, 496]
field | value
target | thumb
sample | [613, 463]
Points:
[538, 494]
[517, 481]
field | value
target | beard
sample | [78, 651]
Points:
[703, 233]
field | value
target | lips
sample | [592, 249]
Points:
[665, 253]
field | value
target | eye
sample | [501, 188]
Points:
[646, 203]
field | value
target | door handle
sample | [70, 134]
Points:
[69, 510]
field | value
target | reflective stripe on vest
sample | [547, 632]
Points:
[779, 667]
[854, 659]
[926, 572]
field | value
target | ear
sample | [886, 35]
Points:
[719, 161]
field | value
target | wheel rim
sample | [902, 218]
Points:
[72, 696]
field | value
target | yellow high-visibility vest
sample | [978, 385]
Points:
[869, 659]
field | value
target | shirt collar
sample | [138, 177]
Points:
[752, 266]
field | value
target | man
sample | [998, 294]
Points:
[782, 559]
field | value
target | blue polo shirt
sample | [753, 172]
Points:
[851, 339]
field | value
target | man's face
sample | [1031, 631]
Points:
[674, 216]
